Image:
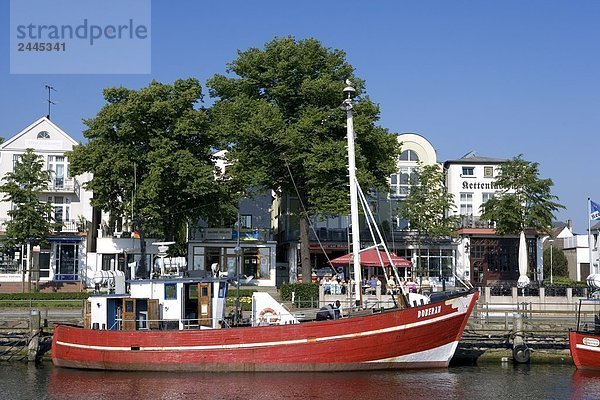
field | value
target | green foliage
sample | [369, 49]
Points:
[156, 144]
[45, 296]
[280, 114]
[568, 282]
[245, 298]
[30, 217]
[524, 201]
[232, 292]
[428, 202]
[560, 265]
[305, 291]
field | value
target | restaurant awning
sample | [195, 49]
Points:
[369, 258]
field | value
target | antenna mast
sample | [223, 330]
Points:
[50, 102]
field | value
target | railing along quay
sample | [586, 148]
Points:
[26, 326]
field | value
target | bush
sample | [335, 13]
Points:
[565, 282]
[304, 291]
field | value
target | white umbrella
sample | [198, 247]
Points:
[523, 268]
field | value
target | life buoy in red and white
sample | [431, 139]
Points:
[268, 315]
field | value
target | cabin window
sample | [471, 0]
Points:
[170, 291]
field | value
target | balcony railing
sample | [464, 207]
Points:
[68, 226]
[329, 235]
[204, 234]
[469, 221]
[64, 185]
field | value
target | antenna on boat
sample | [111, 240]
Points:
[347, 106]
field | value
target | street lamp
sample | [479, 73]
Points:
[551, 241]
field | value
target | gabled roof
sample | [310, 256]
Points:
[41, 123]
[472, 158]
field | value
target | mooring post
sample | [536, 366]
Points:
[34, 335]
[521, 353]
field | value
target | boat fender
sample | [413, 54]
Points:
[521, 354]
[268, 315]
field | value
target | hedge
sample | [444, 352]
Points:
[45, 296]
[305, 291]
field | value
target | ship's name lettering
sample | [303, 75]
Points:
[429, 311]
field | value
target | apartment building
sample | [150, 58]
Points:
[63, 258]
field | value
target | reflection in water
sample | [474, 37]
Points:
[586, 385]
[22, 381]
[75, 384]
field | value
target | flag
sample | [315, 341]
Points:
[594, 211]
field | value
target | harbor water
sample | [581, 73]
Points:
[505, 381]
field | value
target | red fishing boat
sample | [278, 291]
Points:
[414, 337]
[584, 341]
[179, 323]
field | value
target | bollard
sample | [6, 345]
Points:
[521, 353]
[34, 335]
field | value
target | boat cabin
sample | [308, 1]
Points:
[178, 303]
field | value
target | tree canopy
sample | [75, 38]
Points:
[427, 204]
[279, 110]
[524, 200]
[153, 147]
[31, 218]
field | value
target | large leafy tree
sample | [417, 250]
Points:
[524, 200]
[153, 144]
[427, 205]
[279, 111]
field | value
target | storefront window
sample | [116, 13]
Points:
[10, 261]
[67, 262]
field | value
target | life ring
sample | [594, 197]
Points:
[268, 315]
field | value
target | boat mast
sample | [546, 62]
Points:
[354, 228]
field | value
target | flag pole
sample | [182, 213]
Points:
[589, 218]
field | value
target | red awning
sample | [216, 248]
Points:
[369, 258]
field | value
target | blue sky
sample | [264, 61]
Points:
[501, 78]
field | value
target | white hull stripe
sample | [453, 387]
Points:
[265, 344]
[442, 353]
[589, 348]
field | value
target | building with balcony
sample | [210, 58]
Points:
[243, 247]
[483, 257]
[63, 259]
[434, 258]
[329, 236]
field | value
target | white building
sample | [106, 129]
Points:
[483, 257]
[64, 258]
[436, 258]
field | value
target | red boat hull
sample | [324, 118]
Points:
[419, 337]
[585, 349]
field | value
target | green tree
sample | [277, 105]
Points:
[560, 265]
[524, 200]
[280, 112]
[155, 145]
[427, 206]
[31, 219]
